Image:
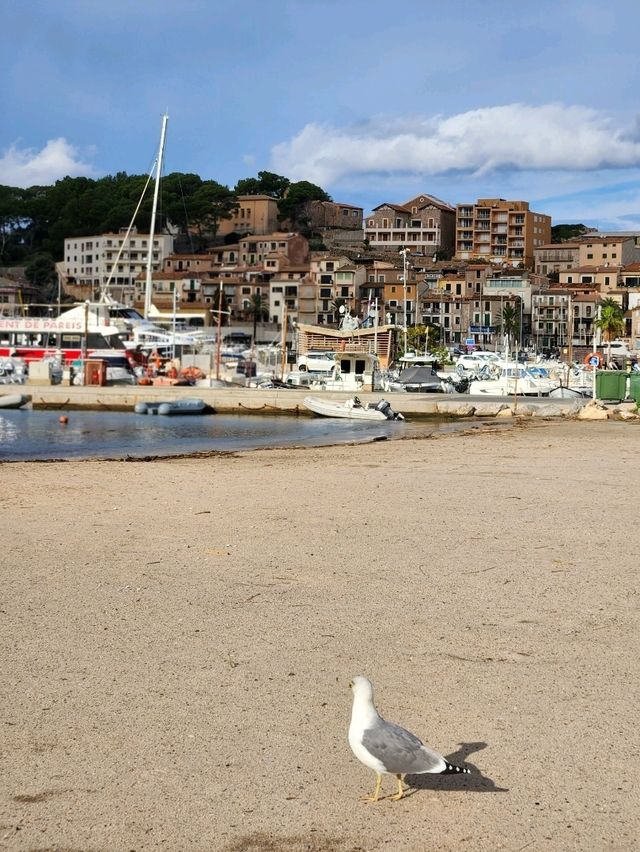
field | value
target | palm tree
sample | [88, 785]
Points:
[610, 322]
[509, 322]
[257, 310]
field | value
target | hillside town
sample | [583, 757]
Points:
[424, 261]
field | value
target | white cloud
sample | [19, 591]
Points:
[28, 167]
[512, 137]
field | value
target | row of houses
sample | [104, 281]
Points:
[492, 230]
[557, 299]
[390, 266]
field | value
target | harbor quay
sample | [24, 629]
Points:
[290, 401]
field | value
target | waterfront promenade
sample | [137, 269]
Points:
[178, 637]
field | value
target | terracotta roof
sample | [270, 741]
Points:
[631, 267]
[613, 238]
[397, 207]
[436, 202]
[595, 269]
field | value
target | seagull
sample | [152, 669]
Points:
[387, 748]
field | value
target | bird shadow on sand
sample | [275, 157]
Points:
[474, 782]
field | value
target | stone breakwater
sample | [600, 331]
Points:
[290, 402]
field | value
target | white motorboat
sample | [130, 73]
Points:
[514, 380]
[351, 409]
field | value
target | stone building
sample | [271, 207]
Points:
[423, 224]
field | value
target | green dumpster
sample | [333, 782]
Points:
[635, 387]
[611, 384]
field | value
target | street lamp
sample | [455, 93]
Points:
[404, 252]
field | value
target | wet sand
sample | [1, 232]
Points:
[177, 640]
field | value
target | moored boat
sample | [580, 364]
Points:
[178, 406]
[351, 409]
[13, 400]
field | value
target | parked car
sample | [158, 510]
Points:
[476, 361]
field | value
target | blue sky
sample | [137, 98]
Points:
[372, 101]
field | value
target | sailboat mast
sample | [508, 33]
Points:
[152, 229]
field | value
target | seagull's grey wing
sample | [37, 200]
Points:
[400, 751]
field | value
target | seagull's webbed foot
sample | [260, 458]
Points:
[400, 792]
[376, 792]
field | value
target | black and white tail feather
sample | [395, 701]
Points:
[451, 769]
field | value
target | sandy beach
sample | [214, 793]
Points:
[178, 637]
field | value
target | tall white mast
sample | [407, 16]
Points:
[149, 283]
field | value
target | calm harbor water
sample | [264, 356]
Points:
[31, 435]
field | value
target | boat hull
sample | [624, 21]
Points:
[13, 400]
[350, 409]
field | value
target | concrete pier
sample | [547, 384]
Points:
[280, 401]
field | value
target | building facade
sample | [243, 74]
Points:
[255, 214]
[423, 224]
[500, 231]
[91, 262]
[555, 257]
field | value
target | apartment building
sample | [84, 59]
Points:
[334, 277]
[258, 250]
[608, 251]
[500, 231]
[423, 224]
[89, 262]
[203, 263]
[555, 257]
[605, 278]
[255, 214]
[284, 288]
[564, 317]
[400, 298]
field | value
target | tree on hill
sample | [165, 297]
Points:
[267, 183]
[211, 203]
[41, 272]
[566, 233]
[291, 208]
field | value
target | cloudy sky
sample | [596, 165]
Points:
[372, 101]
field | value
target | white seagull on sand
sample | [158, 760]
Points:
[387, 748]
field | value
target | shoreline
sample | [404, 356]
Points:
[178, 639]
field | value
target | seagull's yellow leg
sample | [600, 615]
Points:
[376, 792]
[400, 792]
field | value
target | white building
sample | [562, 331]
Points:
[90, 261]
